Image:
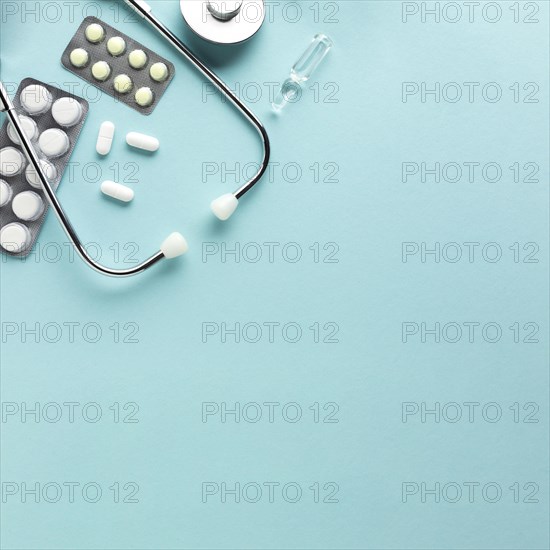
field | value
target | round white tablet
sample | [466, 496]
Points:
[67, 111]
[54, 142]
[12, 161]
[29, 127]
[123, 83]
[116, 45]
[15, 237]
[32, 177]
[144, 97]
[137, 59]
[101, 70]
[35, 99]
[5, 193]
[27, 206]
[158, 72]
[79, 57]
[94, 33]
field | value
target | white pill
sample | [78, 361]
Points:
[117, 191]
[32, 177]
[159, 72]
[101, 70]
[105, 138]
[27, 206]
[29, 127]
[144, 97]
[15, 237]
[94, 33]
[79, 57]
[5, 193]
[35, 99]
[142, 141]
[137, 59]
[54, 142]
[122, 84]
[67, 111]
[116, 45]
[12, 161]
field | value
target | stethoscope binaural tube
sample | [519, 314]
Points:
[225, 205]
[173, 246]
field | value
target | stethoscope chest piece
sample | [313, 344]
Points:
[224, 21]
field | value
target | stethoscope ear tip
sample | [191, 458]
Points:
[224, 206]
[174, 245]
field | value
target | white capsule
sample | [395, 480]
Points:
[117, 191]
[142, 141]
[27, 206]
[15, 237]
[105, 138]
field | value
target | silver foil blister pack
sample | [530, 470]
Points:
[101, 54]
[17, 183]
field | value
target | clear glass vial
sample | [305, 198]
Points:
[302, 71]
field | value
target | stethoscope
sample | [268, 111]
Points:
[223, 207]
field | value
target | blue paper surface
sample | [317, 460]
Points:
[357, 359]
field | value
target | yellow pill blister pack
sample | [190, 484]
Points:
[118, 65]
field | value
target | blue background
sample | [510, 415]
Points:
[368, 131]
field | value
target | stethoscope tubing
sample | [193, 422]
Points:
[33, 158]
[144, 10]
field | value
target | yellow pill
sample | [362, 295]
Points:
[123, 83]
[137, 59]
[116, 46]
[79, 57]
[144, 97]
[101, 71]
[159, 72]
[94, 33]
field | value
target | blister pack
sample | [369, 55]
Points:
[52, 119]
[118, 65]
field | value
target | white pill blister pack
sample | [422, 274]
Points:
[52, 119]
[118, 65]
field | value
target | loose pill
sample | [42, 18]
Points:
[79, 57]
[94, 33]
[29, 127]
[142, 141]
[35, 99]
[144, 97]
[117, 191]
[158, 72]
[67, 111]
[12, 161]
[54, 142]
[105, 137]
[15, 237]
[27, 206]
[101, 70]
[5, 193]
[32, 177]
[123, 83]
[116, 45]
[137, 59]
